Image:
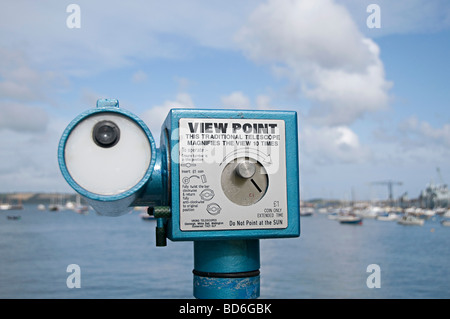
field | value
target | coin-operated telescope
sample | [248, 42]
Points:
[221, 178]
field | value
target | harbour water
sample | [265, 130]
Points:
[118, 258]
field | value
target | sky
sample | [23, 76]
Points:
[370, 83]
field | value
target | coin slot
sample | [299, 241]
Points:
[256, 185]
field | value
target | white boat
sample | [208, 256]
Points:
[41, 207]
[387, 217]
[69, 205]
[5, 206]
[306, 211]
[411, 220]
[350, 219]
[420, 212]
[445, 222]
[371, 212]
[428, 213]
[333, 216]
[80, 208]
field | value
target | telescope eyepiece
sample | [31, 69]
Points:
[106, 134]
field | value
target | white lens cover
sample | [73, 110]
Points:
[107, 171]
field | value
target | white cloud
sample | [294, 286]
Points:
[139, 77]
[293, 31]
[154, 117]
[22, 118]
[263, 102]
[24, 89]
[340, 97]
[402, 17]
[28, 159]
[423, 134]
[20, 81]
[332, 144]
[235, 100]
[317, 46]
[238, 100]
[114, 35]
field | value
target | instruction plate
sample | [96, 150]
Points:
[206, 147]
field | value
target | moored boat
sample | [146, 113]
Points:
[445, 222]
[8, 206]
[410, 220]
[5, 206]
[387, 217]
[306, 211]
[350, 219]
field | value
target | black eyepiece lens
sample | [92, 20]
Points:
[106, 134]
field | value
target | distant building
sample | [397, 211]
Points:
[434, 196]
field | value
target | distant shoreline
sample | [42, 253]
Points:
[37, 198]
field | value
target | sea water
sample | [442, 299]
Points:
[117, 258]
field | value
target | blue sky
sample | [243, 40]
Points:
[373, 104]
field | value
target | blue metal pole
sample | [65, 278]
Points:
[226, 269]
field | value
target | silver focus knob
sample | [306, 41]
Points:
[244, 181]
[246, 169]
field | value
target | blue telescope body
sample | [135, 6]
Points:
[221, 178]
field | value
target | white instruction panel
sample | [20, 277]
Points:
[232, 174]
